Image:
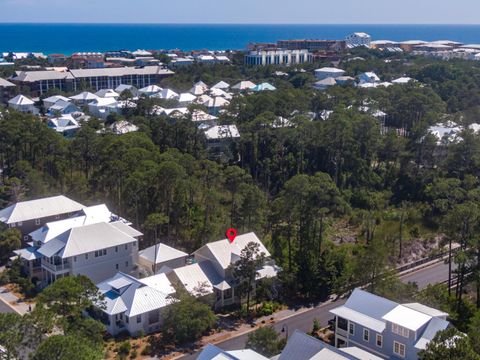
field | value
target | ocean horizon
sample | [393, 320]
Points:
[76, 37]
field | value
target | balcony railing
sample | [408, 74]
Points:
[56, 267]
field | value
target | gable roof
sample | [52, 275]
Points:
[197, 275]
[164, 253]
[85, 239]
[359, 309]
[243, 85]
[222, 132]
[85, 96]
[301, 346]
[5, 83]
[38, 209]
[212, 352]
[224, 252]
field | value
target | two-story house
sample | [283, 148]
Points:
[134, 305]
[97, 251]
[30, 215]
[212, 269]
[385, 328]
[31, 258]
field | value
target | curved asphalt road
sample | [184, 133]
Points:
[430, 275]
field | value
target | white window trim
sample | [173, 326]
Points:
[37, 221]
[352, 327]
[399, 347]
[400, 330]
[367, 332]
[378, 336]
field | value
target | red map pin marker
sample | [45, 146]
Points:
[231, 234]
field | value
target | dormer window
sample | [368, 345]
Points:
[400, 330]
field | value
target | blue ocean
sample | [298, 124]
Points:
[70, 38]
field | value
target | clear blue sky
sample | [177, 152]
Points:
[243, 11]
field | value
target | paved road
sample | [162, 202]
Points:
[430, 275]
[303, 322]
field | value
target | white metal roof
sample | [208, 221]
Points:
[327, 354]
[127, 229]
[196, 276]
[407, 317]
[223, 250]
[85, 239]
[426, 310]
[359, 318]
[84, 96]
[121, 71]
[186, 97]
[221, 85]
[124, 293]
[164, 253]
[5, 83]
[107, 93]
[40, 208]
[198, 90]
[243, 85]
[21, 100]
[222, 132]
[151, 89]
[330, 70]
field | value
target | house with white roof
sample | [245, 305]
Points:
[402, 80]
[325, 83]
[203, 120]
[198, 90]
[243, 85]
[216, 104]
[63, 107]
[107, 93]
[53, 99]
[124, 87]
[211, 274]
[123, 127]
[328, 72]
[369, 78]
[301, 346]
[150, 90]
[186, 98]
[84, 98]
[23, 104]
[221, 85]
[264, 87]
[134, 305]
[29, 215]
[30, 257]
[65, 125]
[220, 136]
[212, 352]
[102, 107]
[385, 328]
[219, 92]
[97, 251]
[155, 257]
[166, 94]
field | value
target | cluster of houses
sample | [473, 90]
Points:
[330, 76]
[444, 49]
[367, 327]
[118, 58]
[67, 114]
[64, 237]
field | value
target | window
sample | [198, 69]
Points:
[37, 221]
[400, 330]
[86, 256]
[366, 335]
[116, 266]
[126, 263]
[20, 223]
[116, 248]
[126, 246]
[139, 319]
[126, 319]
[96, 253]
[57, 217]
[134, 244]
[399, 349]
[342, 323]
[351, 328]
[75, 258]
[25, 238]
[13, 225]
[379, 340]
[104, 251]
